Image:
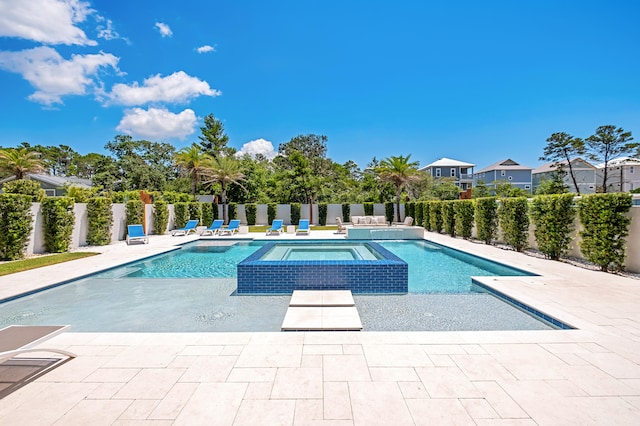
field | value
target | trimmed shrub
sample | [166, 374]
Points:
[605, 228]
[448, 217]
[195, 211]
[426, 215]
[251, 210]
[486, 215]
[172, 197]
[295, 213]
[435, 216]
[25, 187]
[553, 217]
[322, 213]
[389, 211]
[58, 220]
[368, 208]
[81, 195]
[216, 211]
[419, 210]
[181, 212]
[463, 210]
[410, 209]
[117, 197]
[15, 225]
[346, 212]
[272, 209]
[100, 218]
[207, 213]
[160, 217]
[134, 212]
[232, 210]
[514, 222]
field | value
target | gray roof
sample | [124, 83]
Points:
[507, 164]
[56, 181]
[447, 162]
[576, 163]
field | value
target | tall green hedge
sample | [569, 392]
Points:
[100, 218]
[15, 225]
[389, 211]
[25, 187]
[426, 215]
[272, 209]
[448, 217]
[207, 213]
[463, 210]
[435, 216]
[368, 208]
[160, 217]
[605, 223]
[419, 211]
[181, 214]
[346, 212]
[195, 211]
[322, 213]
[251, 209]
[58, 220]
[135, 212]
[553, 217]
[486, 216]
[216, 211]
[514, 222]
[232, 210]
[295, 213]
[410, 209]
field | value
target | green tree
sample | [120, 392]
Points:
[554, 184]
[399, 171]
[19, 162]
[445, 189]
[213, 139]
[505, 189]
[607, 143]
[223, 171]
[562, 147]
[190, 160]
[480, 189]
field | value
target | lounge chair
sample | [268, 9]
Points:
[19, 339]
[276, 227]
[408, 221]
[136, 233]
[303, 227]
[188, 228]
[341, 228]
[232, 228]
[214, 228]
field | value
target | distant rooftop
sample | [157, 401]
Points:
[447, 162]
[507, 164]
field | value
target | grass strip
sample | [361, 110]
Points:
[40, 261]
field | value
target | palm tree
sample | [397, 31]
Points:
[191, 160]
[223, 170]
[399, 171]
[20, 161]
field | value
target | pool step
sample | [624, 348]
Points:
[317, 310]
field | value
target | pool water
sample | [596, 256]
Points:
[324, 251]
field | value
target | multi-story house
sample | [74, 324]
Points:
[623, 174]
[459, 172]
[507, 171]
[584, 172]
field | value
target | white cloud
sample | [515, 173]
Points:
[106, 30]
[158, 123]
[206, 48]
[53, 76]
[258, 146]
[164, 29]
[45, 21]
[177, 87]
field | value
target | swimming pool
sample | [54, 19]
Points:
[192, 289]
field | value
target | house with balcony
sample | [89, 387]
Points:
[623, 174]
[505, 171]
[459, 172]
[585, 175]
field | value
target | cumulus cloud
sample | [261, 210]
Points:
[158, 123]
[177, 87]
[206, 49]
[45, 21]
[53, 76]
[106, 30]
[164, 29]
[258, 146]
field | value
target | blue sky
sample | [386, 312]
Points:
[474, 81]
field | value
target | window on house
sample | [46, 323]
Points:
[50, 192]
[631, 169]
[453, 172]
[527, 187]
[510, 177]
[503, 172]
[438, 172]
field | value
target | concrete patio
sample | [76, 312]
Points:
[590, 375]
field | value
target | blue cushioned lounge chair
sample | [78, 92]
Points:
[136, 233]
[232, 228]
[303, 227]
[215, 227]
[188, 228]
[276, 227]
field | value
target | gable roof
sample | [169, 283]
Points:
[621, 161]
[55, 181]
[447, 162]
[507, 164]
[576, 163]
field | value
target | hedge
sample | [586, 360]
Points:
[15, 225]
[58, 220]
[368, 208]
[195, 211]
[135, 212]
[426, 215]
[486, 216]
[160, 217]
[552, 217]
[410, 209]
[100, 218]
[419, 211]
[322, 213]
[272, 209]
[181, 214]
[207, 213]
[435, 216]
[448, 217]
[232, 210]
[463, 210]
[514, 222]
[295, 213]
[389, 211]
[605, 227]
[346, 212]
[25, 187]
[250, 210]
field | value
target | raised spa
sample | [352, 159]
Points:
[362, 267]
